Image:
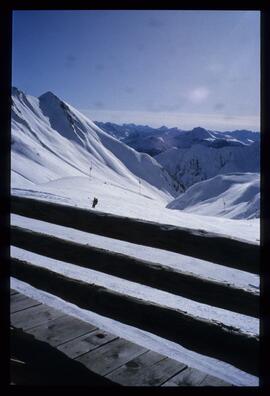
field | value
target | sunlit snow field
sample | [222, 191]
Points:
[71, 162]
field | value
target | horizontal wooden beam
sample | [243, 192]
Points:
[204, 245]
[203, 336]
[141, 271]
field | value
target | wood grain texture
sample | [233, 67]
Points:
[34, 316]
[110, 356]
[193, 377]
[86, 343]
[120, 361]
[148, 369]
[60, 330]
[19, 302]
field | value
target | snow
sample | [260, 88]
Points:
[120, 200]
[155, 343]
[55, 164]
[200, 162]
[51, 140]
[59, 155]
[186, 264]
[246, 324]
[233, 196]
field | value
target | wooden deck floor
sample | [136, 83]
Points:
[105, 354]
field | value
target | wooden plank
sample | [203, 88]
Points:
[217, 248]
[34, 316]
[135, 373]
[148, 369]
[109, 357]
[214, 381]
[60, 330]
[45, 365]
[155, 275]
[204, 336]
[18, 302]
[12, 292]
[86, 343]
[194, 377]
[135, 366]
[119, 360]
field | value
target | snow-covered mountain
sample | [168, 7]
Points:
[59, 154]
[234, 196]
[200, 162]
[51, 140]
[124, 131]
[196, 155]
[157, 140]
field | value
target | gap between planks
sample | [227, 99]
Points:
[117, 359]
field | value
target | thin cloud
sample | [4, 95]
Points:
[70, 61]
[198, 95]
[219, 106]
[217, 122]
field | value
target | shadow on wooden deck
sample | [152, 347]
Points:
[34, 362]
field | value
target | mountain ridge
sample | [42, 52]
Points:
[48, 132]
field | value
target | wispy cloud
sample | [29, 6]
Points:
[220, 122]
[215, 67]
[198, 94]
[70, 61]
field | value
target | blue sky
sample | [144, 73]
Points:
[174, 68]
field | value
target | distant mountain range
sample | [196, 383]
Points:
[153, 141]
[193, 156]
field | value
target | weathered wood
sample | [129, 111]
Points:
[148, 369]
[45, 365]
[204, 336]
[60, 330]
[155, 275]
[193, 377]
[110, 356]
[34, 316]
[86, 343]
[18, 302]
[213, 381]
[232, 252]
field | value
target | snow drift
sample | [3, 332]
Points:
[234, 196]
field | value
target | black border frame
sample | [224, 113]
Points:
[5, 89]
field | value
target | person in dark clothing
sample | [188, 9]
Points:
[95, 201]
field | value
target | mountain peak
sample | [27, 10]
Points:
[199, 133]
[198, 129]
[17, 92]
[49, 96]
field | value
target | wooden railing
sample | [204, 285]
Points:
[203, 336]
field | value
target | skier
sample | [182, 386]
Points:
[95, 201]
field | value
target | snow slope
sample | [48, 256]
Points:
[235, 196]
[52, 140]
[200, 162]
[192, 156]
